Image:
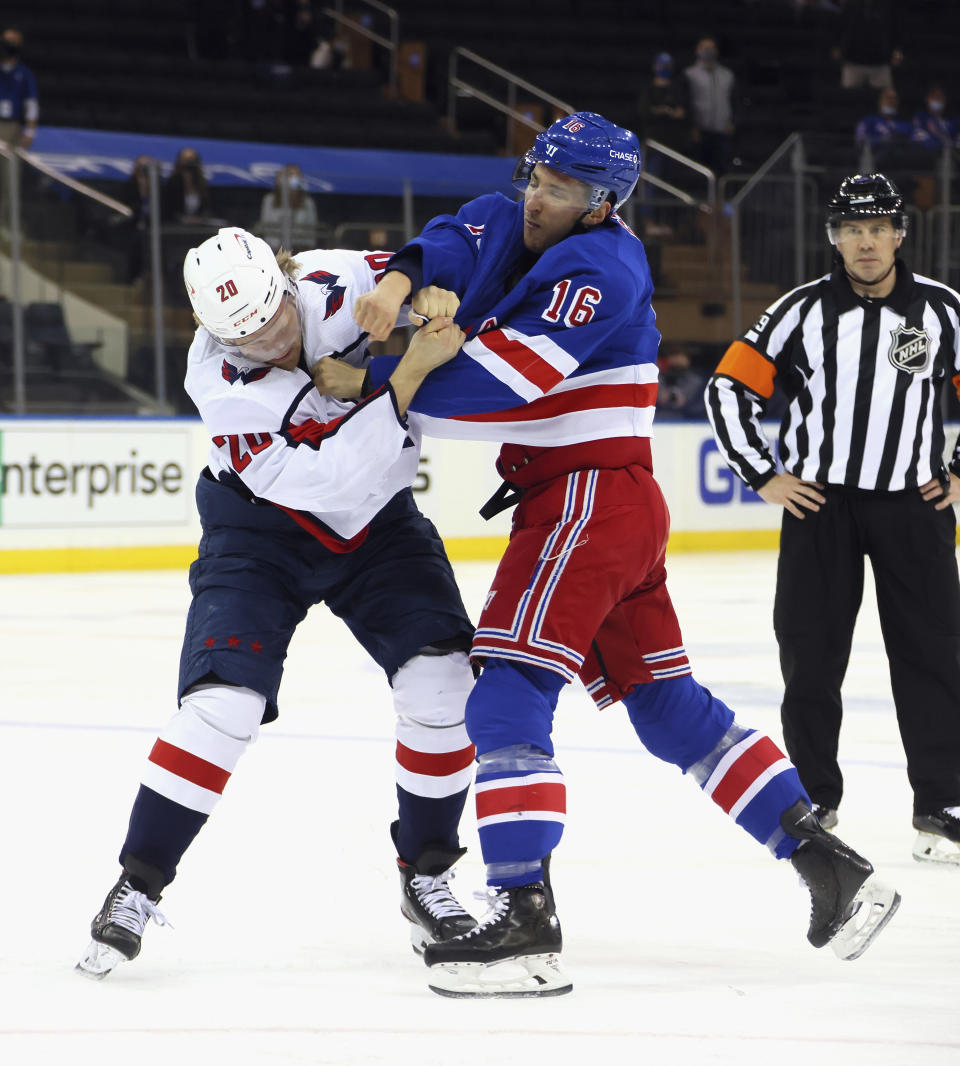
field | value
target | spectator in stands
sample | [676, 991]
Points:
[135, 193]
[185, 197]
[663, 106]
[680, 389]
[663, 112]
[288, 215]
[304, 33]
[931, 128]
[331, 50]
[19, 104]
[264, 33]
[868, 43]
[883, 132]
[711, 102]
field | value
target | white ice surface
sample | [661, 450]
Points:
[684, 939]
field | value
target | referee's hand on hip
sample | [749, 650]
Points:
[933, 490]
[793, 494]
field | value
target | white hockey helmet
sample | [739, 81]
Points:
[234, 283]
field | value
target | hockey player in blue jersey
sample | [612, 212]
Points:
[305, 500]
[560, 366]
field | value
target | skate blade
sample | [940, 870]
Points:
[873, 906]
[931, 847]
[98, 960]
[419, 938]
[524, 976]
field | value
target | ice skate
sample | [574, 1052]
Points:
[938, 837]
[426, 900]
[826, 816]
[513, 952]
[118, 928]
[849, 904]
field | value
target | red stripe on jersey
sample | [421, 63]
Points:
[513, 798]
[523, 359]
[312, 430]
[742, 774]
[327, 539]
[190, 767]
[590, 397]
[435, 763]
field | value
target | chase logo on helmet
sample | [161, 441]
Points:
[590, 148]
[910, 349]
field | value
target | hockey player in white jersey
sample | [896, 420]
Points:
[306, 499]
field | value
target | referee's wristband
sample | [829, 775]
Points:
[760, 480]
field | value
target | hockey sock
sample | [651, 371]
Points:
[512, 703]
[424, 821]
[521, 808]
[434, 756]
[743, 771]
[187, 771]
[750, 778]
[160, 831]
[520, 794]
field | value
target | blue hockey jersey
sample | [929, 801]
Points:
[565, 356]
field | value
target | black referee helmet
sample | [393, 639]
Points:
[866, 196]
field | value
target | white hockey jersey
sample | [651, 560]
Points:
[331, 465]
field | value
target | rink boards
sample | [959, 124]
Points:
[117, 493]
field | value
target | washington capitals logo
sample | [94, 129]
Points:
[909, 349]
[233, 374]
[333, 291]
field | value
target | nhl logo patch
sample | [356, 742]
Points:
[909, 350]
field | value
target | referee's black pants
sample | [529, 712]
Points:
[912, 548]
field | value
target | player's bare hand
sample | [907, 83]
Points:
[434, 344]
[333, 377]
[933, 492]
[377, 311]
[792, 494]
[432, 302]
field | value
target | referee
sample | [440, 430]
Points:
[862, 355]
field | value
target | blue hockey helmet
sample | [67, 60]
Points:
[591, 149]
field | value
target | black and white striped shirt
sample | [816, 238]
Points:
[863, 378]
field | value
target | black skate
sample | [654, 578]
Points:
[826, 816]
[849, 904]
[513, 952]
[938, 837]
[426, 900]
[118, 928]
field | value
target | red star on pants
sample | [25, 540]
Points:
[233, 642]
[256, 646]
[210, 641]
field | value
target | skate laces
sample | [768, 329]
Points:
[132, 910]
[498, 903]
[435, 895]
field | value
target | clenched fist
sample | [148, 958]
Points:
[431, 302]
[377, 311]
[432, 345]
[333, 377]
